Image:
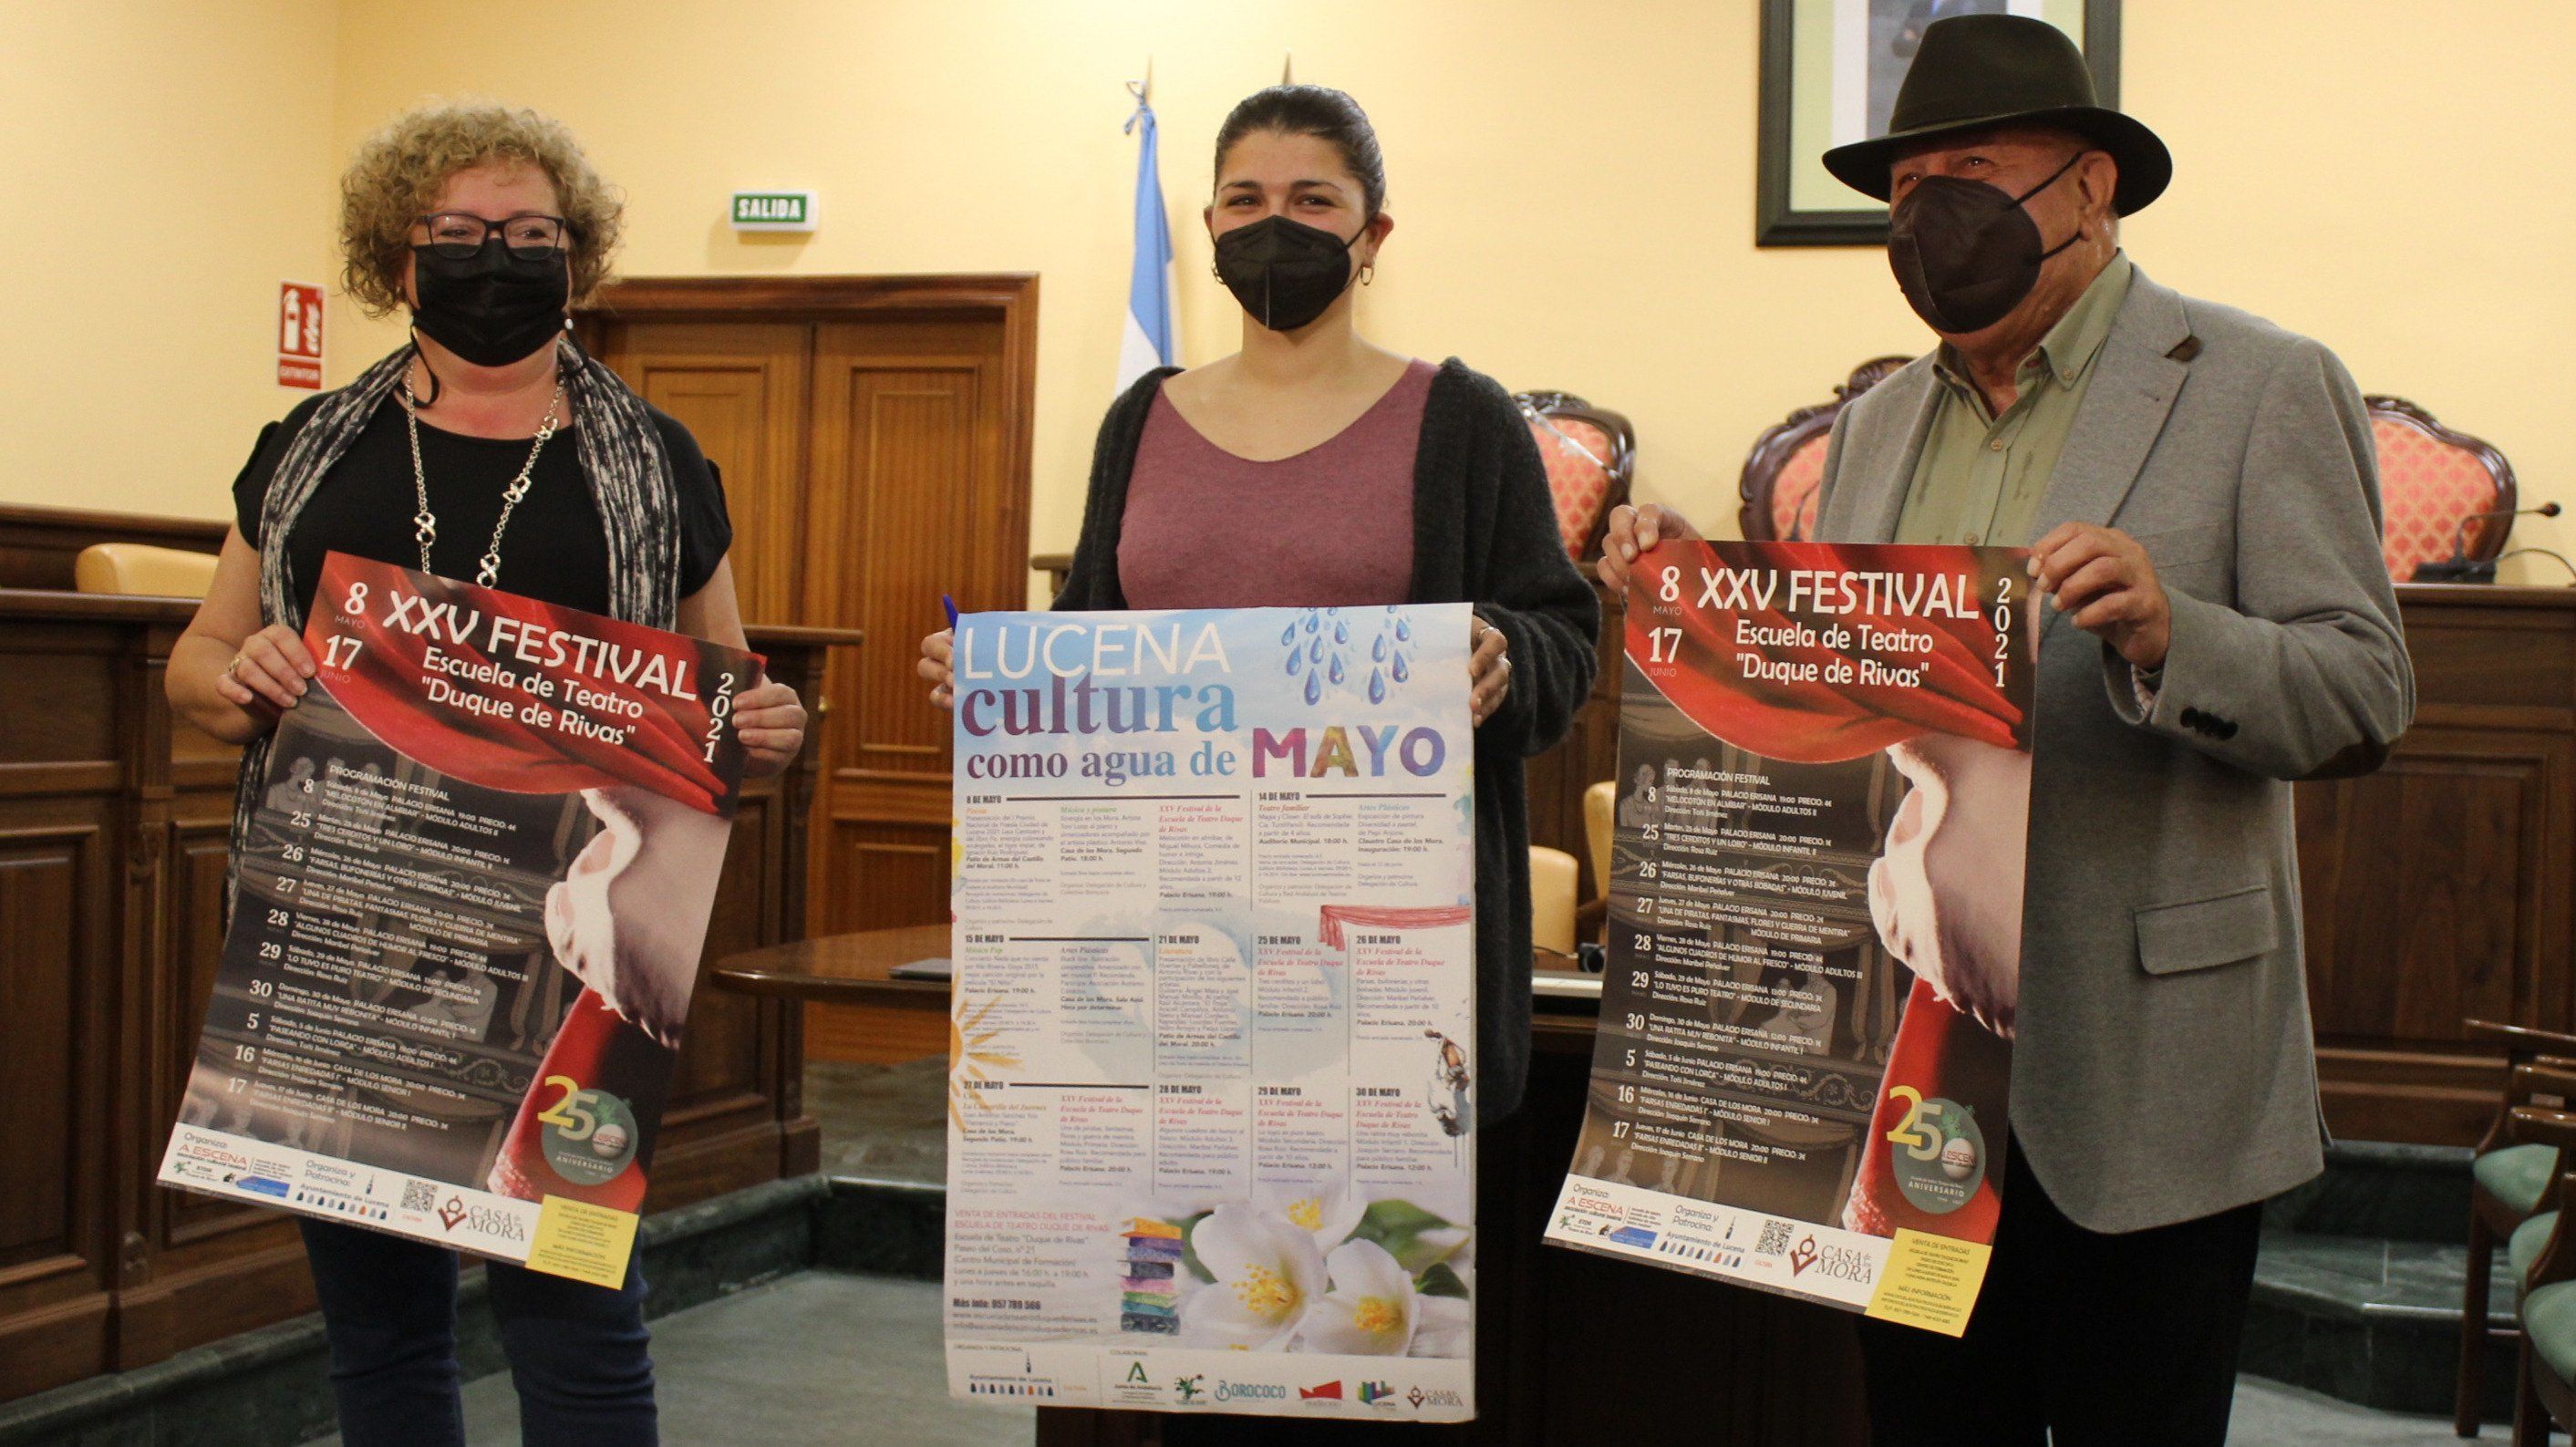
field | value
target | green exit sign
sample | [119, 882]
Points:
[773, 210]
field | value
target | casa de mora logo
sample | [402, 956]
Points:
[1802, 1256]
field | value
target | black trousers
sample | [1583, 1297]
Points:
[577, 1353]
[2104, 1340]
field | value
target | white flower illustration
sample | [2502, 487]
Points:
[1268, 1277]
[1372, 1308]
[1327, 1212]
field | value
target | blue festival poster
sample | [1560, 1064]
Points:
[1212, 1081]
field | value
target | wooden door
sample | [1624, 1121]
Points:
[910, 504]
[873, 435]
[740, 389]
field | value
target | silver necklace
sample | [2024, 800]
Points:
[424, 523]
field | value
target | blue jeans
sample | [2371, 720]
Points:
[577, 1352]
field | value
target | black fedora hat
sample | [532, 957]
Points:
[1975, 71]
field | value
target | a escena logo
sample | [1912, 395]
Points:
[1188, 1388]
[1374, 1393]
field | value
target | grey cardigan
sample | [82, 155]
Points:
[1484, 532]
[2163, 1067]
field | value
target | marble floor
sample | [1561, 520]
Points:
[820, 1357]
[829, 1358]
[882, 1122]
[824, 1359]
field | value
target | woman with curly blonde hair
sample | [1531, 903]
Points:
[487, 224]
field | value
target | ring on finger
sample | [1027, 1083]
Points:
[232, 670]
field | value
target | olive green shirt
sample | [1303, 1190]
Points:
[1981, 477]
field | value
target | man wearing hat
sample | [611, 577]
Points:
[2199, 490]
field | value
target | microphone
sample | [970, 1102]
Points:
[2459, 567]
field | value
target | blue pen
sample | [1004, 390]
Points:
[951, 605]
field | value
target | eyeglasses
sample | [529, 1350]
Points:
[458, 235]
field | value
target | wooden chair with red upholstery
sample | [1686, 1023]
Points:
[1591, 456]
[2445, 494]
[1786, 468]
[2510, 1182]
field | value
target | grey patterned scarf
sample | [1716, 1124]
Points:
[621, 458]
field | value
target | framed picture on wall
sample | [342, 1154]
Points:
[1830, 69]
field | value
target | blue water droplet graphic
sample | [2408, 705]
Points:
[1377, 650]
[1403, 630]
[1296, 659]
[1288, 634]
[1310, 622]
[1377, 686]
[1315, 651]
[1337, 668]
[1341, 632]
[1314, 687]
[1401, 672]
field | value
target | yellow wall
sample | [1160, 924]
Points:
[167, 165]
[1573, 197]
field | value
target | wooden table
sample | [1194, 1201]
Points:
[851, 969]
[1576, 1347]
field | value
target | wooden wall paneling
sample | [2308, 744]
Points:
[58, 998]
[2475, 829]
[2445, 884]
[199, 1268]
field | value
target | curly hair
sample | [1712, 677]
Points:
[401, 171]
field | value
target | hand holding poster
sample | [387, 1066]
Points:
[469, 911]
[1211, 1108]
[1804, 1056]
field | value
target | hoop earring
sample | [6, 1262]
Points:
[1368, 273]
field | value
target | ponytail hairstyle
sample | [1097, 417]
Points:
[1312, 110]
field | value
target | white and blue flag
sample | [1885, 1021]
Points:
[1148, 341]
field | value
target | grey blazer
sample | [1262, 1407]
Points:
[2163, 1064]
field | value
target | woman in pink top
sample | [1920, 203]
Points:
[1315, 468]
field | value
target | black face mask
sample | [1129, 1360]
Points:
[491, 308]
[1284, 272]
[1965, 252]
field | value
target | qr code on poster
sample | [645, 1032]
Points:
[1775, 1237]
[420, 1196]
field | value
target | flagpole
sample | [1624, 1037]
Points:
[1146, 341]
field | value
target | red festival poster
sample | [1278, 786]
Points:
[1805, 1050]
[468, 919]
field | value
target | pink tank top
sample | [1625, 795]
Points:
[1330, 527]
